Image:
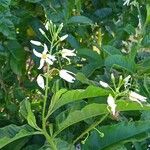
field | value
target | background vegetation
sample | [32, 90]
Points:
[109, 37]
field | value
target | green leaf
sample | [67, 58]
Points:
[94, 109]
[115, 135]
[76, 95]
[120, 61]
[80, 19]
[83, 79]
[102, 13]
[26, 112]
[33, 1]
[146, 40]
[12, 133]
[17, 58]
[110, 50]
[129, 29]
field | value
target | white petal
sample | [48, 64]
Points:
[45, 49]
[41, 31]
[67, 52]
[63, 37]
[40, 81]
[104, 84]
[126, 80]
[134, 95]
[47, 25]
[52, 57]
[49, 61]
[111, 104]
[37, 53]
[41, 64]
[65, 74]
[36, 43]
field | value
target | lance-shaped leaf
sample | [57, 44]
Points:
[95, 109]
[79, 94]
[12, 133]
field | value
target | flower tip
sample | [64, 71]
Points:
[40, 81]
[104, 84]
[42, 32]
[36, 42]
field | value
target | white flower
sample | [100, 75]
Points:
[44, 57]
[40, 81]
[133, 96]
[47, 25]
[66, 52]
[126, 81]
[41, 31]
[104, 84]
[67, 75]
[126, 2]
[36, 43]
[111, 104]
[63, 37]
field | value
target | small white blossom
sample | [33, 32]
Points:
[41, 31]
[66, 52]
[126, 81]
[47, 25]
[40, 81]
[44, 57]
[133, 96]
[36, 43]
[111, 104]
[104, 84]
[67, 75]
[126, 2]
[63, 37]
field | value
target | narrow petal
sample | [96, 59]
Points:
[104, 84]
[36, 43]
[41, 31]
[37, 53]
[64, 74]
[40, 81]
[52, 57]
[41, 64]
[45, 49]
[111, 104]
[49, 61]
[63, 37]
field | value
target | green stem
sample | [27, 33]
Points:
[49, 139]
[90, 128]
[45, 100]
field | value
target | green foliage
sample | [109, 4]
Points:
[108, 38]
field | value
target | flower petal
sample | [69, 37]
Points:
[45, 49]
[111, 104]
[49, 61]
[42, 32]
[63, 37]
[64, 74]
[36, 43]
[52, 57]
[41, 64]
[37, 53]
[134, 95]
[40, 81]
[104, 84]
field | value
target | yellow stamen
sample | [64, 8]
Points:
[44, 56]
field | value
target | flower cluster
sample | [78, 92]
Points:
[132, 95]
[46, 57]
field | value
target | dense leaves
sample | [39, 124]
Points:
[111, 41]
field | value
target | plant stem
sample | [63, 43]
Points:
[49, 139]
[45, 99]
[90, 128]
